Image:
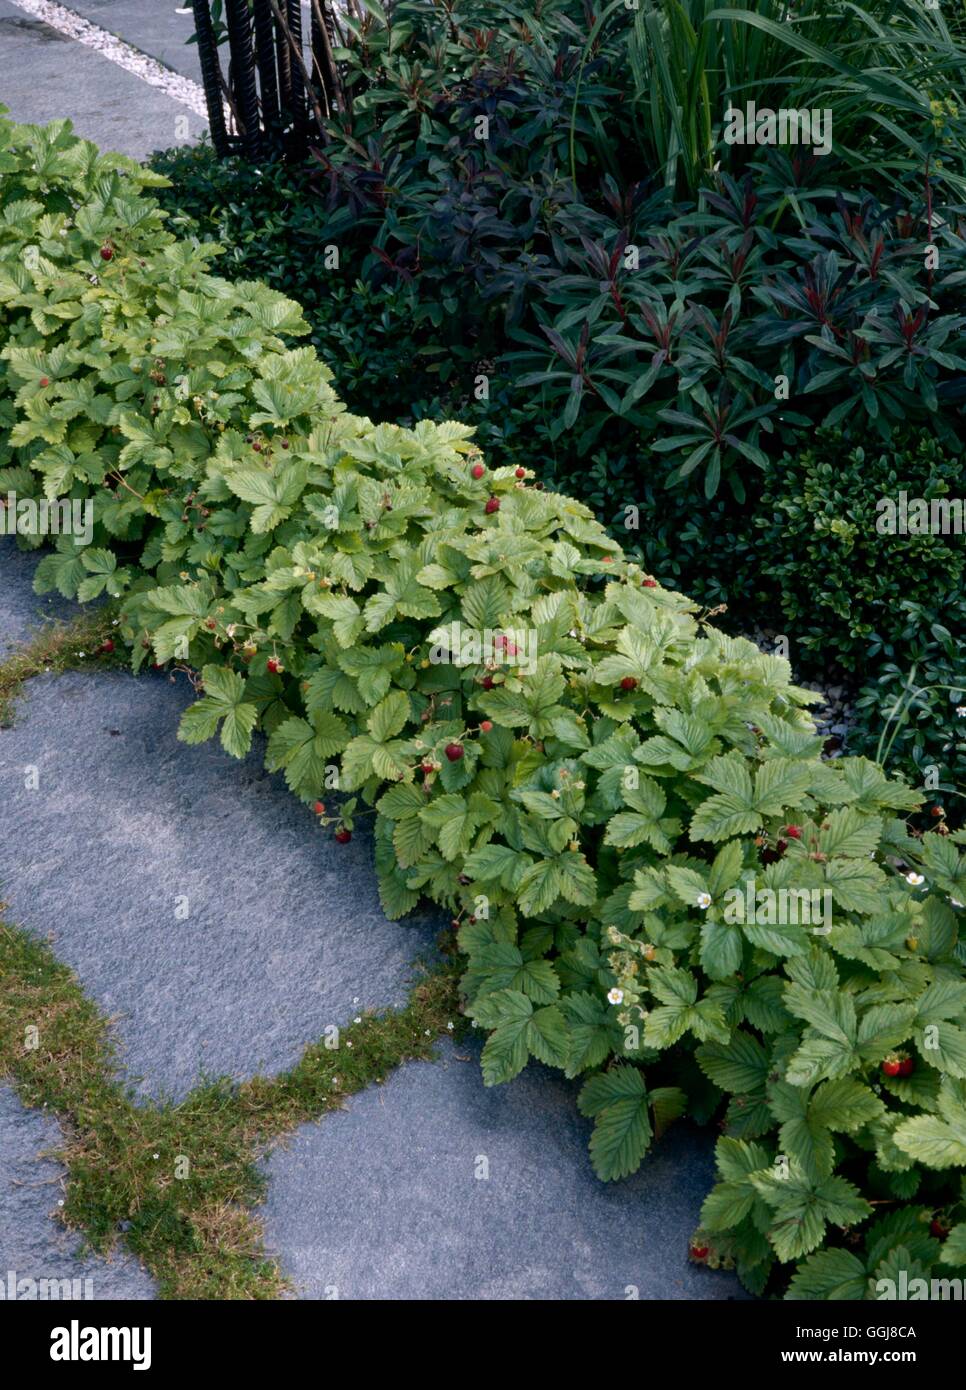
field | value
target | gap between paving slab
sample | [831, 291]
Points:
[33, 1245]
[434, 1187]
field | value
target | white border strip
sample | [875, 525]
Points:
[73, 26]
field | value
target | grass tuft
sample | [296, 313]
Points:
[56, 648]
[176, 1183]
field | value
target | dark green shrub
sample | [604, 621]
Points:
[887, 610]
[849, 594]
[913, 717]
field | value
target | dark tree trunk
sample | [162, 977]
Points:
[211, 77]
[239, 25]
[265, 58]
[293, 14]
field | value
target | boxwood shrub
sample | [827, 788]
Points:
[591, 791]
[886, 611]
[845, 584]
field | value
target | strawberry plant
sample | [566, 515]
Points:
[606, 793]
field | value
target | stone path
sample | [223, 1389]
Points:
[130, 830]
[21, 610]
[433, 1187]
[44, 75]
[33, 1245]
[207, 910]
[154, 26]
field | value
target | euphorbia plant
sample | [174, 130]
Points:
[606, 809]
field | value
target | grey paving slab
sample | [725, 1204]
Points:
[45, 76]
[153, 26]
[195, 897]
[21, 610]
[33, 1245]
[433, 1187]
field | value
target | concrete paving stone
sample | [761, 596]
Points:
[154, 26]
[193, 895]
[45, 76]
[434, 1187]
[128, 830]
[158, 28]
[21, 610]
[33, 1245]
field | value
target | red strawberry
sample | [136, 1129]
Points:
[426, 768]
[45, 381]
[793, 832]
[937, 1229]
[892, 1066]
[319, 808]
[107, 252]
[606, 559]
[937, 811]
[454, 751]
[700, 1252]
[521, 472]
[649, 583]
[492, 505]
[343, 836]
[477, 470]
[486, 726]
[629, 683]
[107, 646]
[907, 1066]
[487, 682]
[275, 667]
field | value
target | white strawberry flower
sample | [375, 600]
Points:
[615, 996]
[961, 711]
[704, 901]
[914, 879]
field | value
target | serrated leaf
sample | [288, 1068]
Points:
[618, 1101]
